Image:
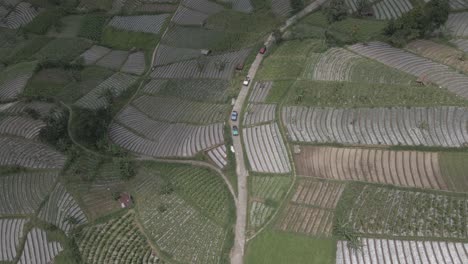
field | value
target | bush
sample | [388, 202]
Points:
[296, 5]
[92, 26]
[42, 22]
[336, 11]
[90, 126]
[418, 23]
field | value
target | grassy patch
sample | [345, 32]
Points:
[241, 29]
[279, 90]
[68, 27]
[42, 22]
[25, 50]
[17, 70]
[454, 167]
[346, 94]
[92, 5]
[274, 247]
[92, 26]
[126, 40]
[279, 68]
[47, 83]
[63, 50]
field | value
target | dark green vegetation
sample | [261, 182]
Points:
[455, 165]
[24, 50]
[92, 26]
[45, 20]
[62, 50]
[418, 23]
[271, 247]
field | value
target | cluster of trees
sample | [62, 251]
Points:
[418, 23]
[55, 132]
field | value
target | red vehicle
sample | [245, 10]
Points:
[263, 50]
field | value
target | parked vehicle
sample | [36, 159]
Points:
[240, 67]
[234, 115]
[246, 81]
[263, 50]
[235, 131]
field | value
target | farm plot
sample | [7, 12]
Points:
[281, 8]
[433, 126]
[265, 149]
[260, 92]
[38, 249]
[259, 113]
[415, 65]
[213, 90]
[457, 23]
[25, 153]
[113, 60]
[204, 188]
[439, 52]
[266, 194]
[244, 6]
[188, 17]
[458, 4]
[402, 251]
[374, 210]
[145, 23]
[13, 79]
[138, 133]
[354, 4]
[63, 50]
[191, 37]
[135, 63]
[218, 156]
[403, 168]
[173, 109]
[311, 209]
[454, 167]
[94, 53]
[12, 230]
[166, 54]
[204, 6]
[21, 126]
[22, 193]
[338, 64]
[215, 67]
[21, 107]
[116, 241]
[391, 9]
[22, 14]
[177, 228]
[62, 210]
[116, 84]
[461, 44]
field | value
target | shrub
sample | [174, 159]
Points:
[55, 132]
[92, 26]
[336, 11]
[418, 23]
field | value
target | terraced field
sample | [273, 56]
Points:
[20, 15]
[457, 23]
[26, 153]
[311, 208]
[219, 156]
[173, 109]
[208, 90]
[403, 168]
[420, 67]
[12, 230]
[260, 92]
[214, 67]
[128, 62]
[338, 64]
[38, 248]
[21, 126]
[62, 210]
[439, 52]
[458, 4]
[259, 113]
[145, 23]
[117, 240]
[116, 84]
[265, 196]
[176, 226]
[402, 251]
[373, 210]
[281, 8]
[265, 149]
[391, 9]
[23, 193]
[167, 54]
[434, 126]
[13, 79]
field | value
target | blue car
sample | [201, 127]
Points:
[234, 115]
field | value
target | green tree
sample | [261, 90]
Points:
[336, 11]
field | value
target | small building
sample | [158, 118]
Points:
[125, 200]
